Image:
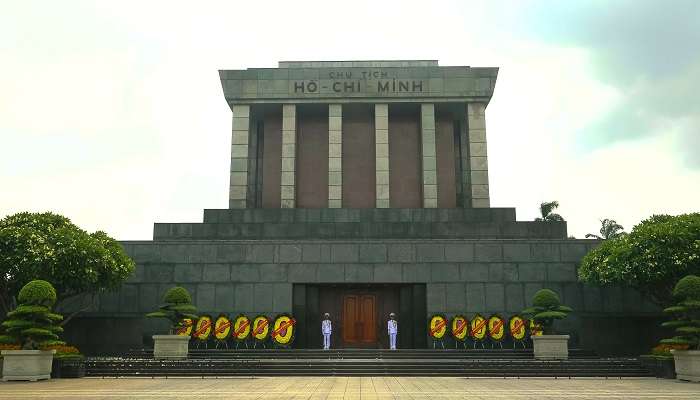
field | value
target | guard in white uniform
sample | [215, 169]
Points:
[393, 329]
[326, 330]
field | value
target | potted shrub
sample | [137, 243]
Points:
[546, 308]
[176, 308]
[67, 362]
[32, 326]
[686, 322]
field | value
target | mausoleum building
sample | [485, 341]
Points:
[361, 188]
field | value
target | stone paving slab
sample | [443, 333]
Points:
[350, 388]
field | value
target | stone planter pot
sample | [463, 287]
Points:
[26, 365]
[551, 347]
[687, 364]
[170, 346]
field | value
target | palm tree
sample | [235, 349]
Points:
[609, 229]
[546, 209]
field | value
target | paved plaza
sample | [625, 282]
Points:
[350, 388]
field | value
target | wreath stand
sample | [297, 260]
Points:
[436, 341]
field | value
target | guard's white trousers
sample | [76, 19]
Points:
[392, 341]
[326, 341]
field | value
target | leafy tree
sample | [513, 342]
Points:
[178, 306]
[546, 209]
[652, 258]
[686, 313]
[609, 229]
[49, 247]
[32, 324]
[546, 308]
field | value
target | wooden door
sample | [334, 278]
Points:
[359, 320]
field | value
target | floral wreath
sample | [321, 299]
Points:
[496, 328]
[463, 332]
[283, 329]
[255, 331]
[477, 327]
[437, 326]
[241, 332]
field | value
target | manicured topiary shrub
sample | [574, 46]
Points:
[546, 308]
[177, 295]
[37, 293]
[178, 306]
[32, 325]
[686, 313]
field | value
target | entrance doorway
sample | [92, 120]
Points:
[359, 312]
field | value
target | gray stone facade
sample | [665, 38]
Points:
[465, 260]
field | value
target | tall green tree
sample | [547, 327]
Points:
[49, 247]
[651, 258]
[609, 229]
[546, 210]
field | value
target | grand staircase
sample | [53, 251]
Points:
[355, 362]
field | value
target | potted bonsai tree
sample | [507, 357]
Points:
[32, 326]
[686, 322]
[546, 308]
[176, 308]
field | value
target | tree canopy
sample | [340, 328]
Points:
[609, 229]
[547, 211]
[49, 247]
[652, 258]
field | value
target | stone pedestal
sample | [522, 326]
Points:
[551, 347]
[687, 364]
[26, 365]
[170, 346]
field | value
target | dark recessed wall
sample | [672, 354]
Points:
[405, 189]
[358, 156]
[312, 156]
[272, 157]
[445, 148]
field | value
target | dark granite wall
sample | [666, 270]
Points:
[358, 156]
[312, 157]
[405, 181]
[272, 158]
[446, 168]
[460, 276]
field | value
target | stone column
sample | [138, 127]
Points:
[429, 166]
[335, 156]
[238, 189]
[381, 138]
[289, 139]
[478, 162]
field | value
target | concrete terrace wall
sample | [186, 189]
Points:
[461, 276]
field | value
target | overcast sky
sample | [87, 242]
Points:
[112, 114]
